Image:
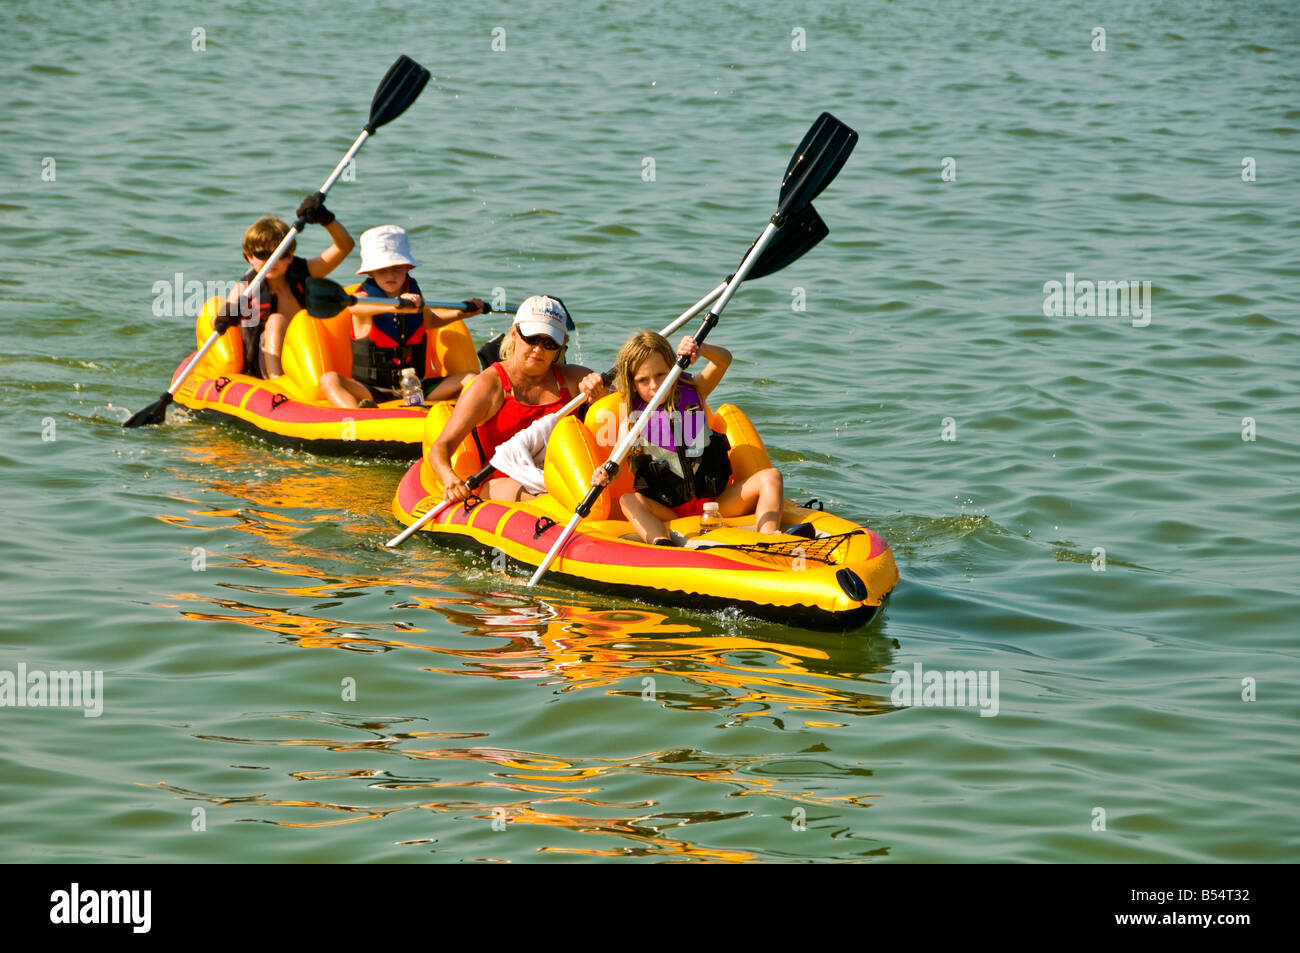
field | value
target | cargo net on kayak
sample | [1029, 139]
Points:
[819, 549]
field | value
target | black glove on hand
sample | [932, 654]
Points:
[224, 319]
[314, 211]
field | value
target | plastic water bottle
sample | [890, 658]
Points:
[710, 518]
[412, 391]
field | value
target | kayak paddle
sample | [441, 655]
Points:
[816, 162]
[400, 87]
[327, 298]
[800, 233]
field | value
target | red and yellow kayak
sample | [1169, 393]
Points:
[291, 410]
[837, 580]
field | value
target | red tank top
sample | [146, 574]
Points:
[514, 416]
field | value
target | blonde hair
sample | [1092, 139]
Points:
[508, 346]
[265, 235]
[639, 348]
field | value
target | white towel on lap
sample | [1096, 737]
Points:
[521, 457]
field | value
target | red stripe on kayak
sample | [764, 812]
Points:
[455, 516]
[587, 548]
[521, 525]
[411, 491]
[296, 412]
[486, 516]
[233, 393]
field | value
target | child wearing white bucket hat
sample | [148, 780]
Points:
[384, 344]
[383, 247]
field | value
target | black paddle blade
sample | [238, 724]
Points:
[400, 87]
[800, 233]
[326, 298]
[155, 413]
[815, 163]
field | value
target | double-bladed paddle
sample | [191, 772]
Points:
[400, 87]
[327, 298]
[815, 163]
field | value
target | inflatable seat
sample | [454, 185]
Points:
[464, 459]
[572, 455]
[227, 355]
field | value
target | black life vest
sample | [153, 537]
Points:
[266, 305]
[680, 458]
[395, 341]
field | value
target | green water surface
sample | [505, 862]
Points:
[1098, 509]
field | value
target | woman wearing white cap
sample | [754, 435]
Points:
[383, 344]
[530, 381]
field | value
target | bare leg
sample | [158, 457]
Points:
[760, 494]
[331, 385]
[504, 488]
[342, 391]
[451, 387]
[646, 516]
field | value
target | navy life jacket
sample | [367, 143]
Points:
[395, 341]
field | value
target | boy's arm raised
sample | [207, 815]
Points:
[315, 212]
[332, 257]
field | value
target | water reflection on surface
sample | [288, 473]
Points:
[341, 591]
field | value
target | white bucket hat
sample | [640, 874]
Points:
[542, 314]
[385, 245]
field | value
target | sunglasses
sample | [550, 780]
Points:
[540, 340]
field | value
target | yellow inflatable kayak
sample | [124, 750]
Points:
[837, 579]
[291, 410]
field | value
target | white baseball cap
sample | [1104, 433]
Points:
[542, 314]
[383, 246]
